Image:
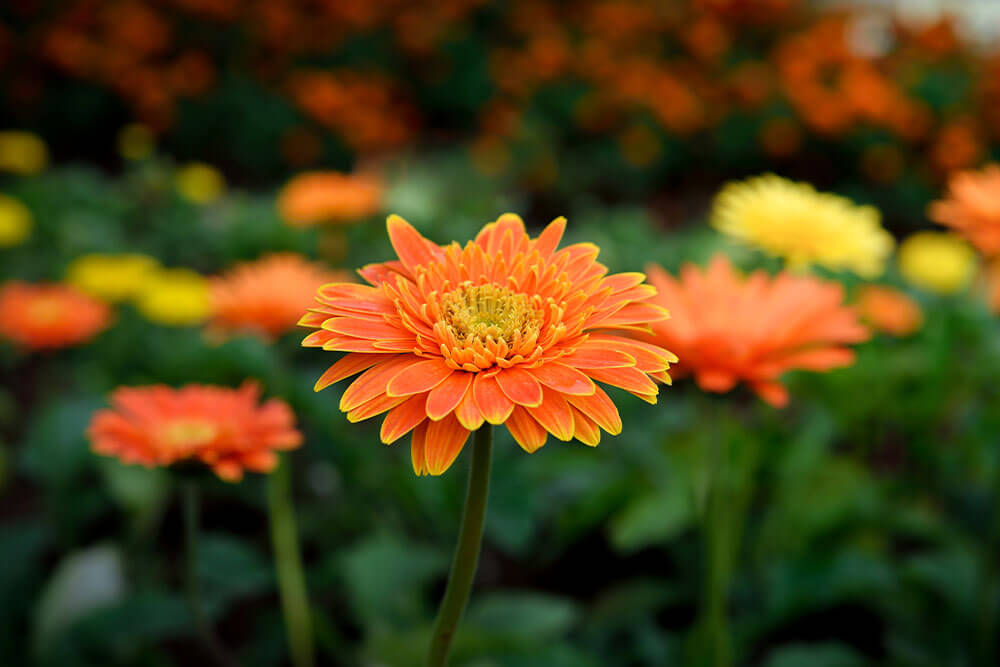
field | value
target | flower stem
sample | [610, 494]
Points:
[288, 561]
[470, 537]
[717, 648]
[212, 644]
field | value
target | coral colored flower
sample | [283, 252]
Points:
[889, 310]
[794, 221]
[175, 297]
[111, 278]
[49, 315]
[15, 221]
[728, 328]
[268, 295]
[505, 330]
[224, 428]
[321, 197]
[200, 183]
[972, 207]
[22, 153]
[937, 262]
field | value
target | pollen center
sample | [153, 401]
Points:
[188, 433]
[485, 325]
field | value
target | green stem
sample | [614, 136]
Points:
[288, 561]
[717, 647]
[470, 537]
[212, 643]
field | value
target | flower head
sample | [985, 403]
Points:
[972, 207]
[268, 295]
[22, 153]
[322, 197]
[49, 315]
[937, 262]
[200, 183]
[15, 221]
[224, 428]
[175, 297]
[728, 328]
[794, 221]
[111, 278]
[889, 310]
[505, 330]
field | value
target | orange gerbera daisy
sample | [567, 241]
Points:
[267, 295]
[505, 330]
[321, 197]
[221, 427]
[972, 207]
[729, 329]
[49, 315]
[889, 310]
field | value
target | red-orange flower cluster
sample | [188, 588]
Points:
[505, 330]
[267, 296]
[49, 315]
[729, 329]
[972, 207]
[224, 428]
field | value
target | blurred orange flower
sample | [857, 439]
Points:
[727, 328]
[49, 315]
[268, 295]
[223, 428]
[505, 330]
[319, 197]
[889, 310]
[972, 207]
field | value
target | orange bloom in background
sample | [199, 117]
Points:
[972, 207]
[505, 330]
[889, 310]
[268, 295]
[320, 197]
[223, 428]
[728, 328]
[49, 315]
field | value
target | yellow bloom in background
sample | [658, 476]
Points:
[112, 278]
[15, 221]
[175, 297]
[135, 142]
[200, 183]
[22, 152]
[805, 227]
[937, 262]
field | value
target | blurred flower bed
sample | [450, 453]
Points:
[175, 222]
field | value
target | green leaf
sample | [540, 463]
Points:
[655, 517]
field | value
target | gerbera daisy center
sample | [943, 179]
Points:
[489, 313]
[188, 433]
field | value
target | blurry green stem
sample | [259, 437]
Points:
[219, 654]
[470, 537]
[288, 561]
[716, 647]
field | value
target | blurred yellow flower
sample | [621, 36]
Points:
[112, 278]
[15, 221]
[175, 297]
[135, 142]
[937, 261]
[22, 152]
[200, 183]
[794, 221]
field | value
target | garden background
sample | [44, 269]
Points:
[865, 514]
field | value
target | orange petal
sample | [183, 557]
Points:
[410, 246]
[564, 379]
[443, 443]
[554, 414]
[594, 357]
[520, 386]
[774, 393]
[549, 239]
[417, 446]
[715, 381]
[585, 429]
[402, 419]
[629, 379]
[376, 406]
[526, 431]
[446, 396]
[228, 470]
[347, 366]
[600, 408]
[490, 399]
[373, 381]
[468, 413]
[418, 377]
[366, 329]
